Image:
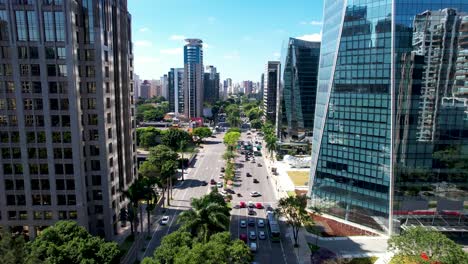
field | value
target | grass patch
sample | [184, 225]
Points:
[299, 178]
[313, 248]
[367, 260]
[127, 244]
[291, 193]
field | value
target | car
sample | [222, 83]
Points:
[251, 211]
[221, 176]
[255, 194]
[261, 223]
[259, 205]
[204, 183]
[243, 237]
[248, 133]
[219, 185]
[230, 191]
[243, 223]
[255, 181]
[253, 160]
[242, 204]
[261, 235]
[223, 193]
[259, 164]
[164, 220]
[253, 247]
[252, 235]
[222, 169]
[251, 222]
[212, 182]
[251, 204]
[248, 174]
[268, 208]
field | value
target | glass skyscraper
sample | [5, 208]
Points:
[193, 78]
[298, 90]
[390, 145]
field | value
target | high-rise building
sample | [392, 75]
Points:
[390, 145]
[299, 87]
[228, 86]
[164, 87]
[136, 85]
[270, 91]
[146, 90]
[211, 84]
[247, 87]
[66, 114]
[261, 87]
[193, 78]
[176, 90]
[156, 88]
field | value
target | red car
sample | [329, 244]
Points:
[212, 182]
[259, 205]
[243, 237]
[242, 205]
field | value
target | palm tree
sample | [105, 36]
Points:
[271, 143]
[134, 195]
[206, 218]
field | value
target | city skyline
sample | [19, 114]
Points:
[158, 40]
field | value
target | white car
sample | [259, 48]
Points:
[253, 247]
[223, 193]
[260, 223]
[261, 235]
[164, 220]
[250, 204]
[255, 194]
[219, 184]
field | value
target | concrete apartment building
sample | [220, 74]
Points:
[193, 78]
[66, 114]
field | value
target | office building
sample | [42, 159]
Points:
[164, 87]
[228, 85]
[247, 87]
[270, 90]
[147, 90]
[261, 87]
[66, 114]
[193, 78]
[176, 86]
[211, 84]
[296, 108]
[136, 85]
[390, 143]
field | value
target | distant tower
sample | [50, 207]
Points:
[193, 78]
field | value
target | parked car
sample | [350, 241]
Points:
[251, 222]
[255, 181]
[251, 204]
[259, 205]
[268, 208]
[252, 235]
[261, 223]
[223, 193]
[221, 176]
[242, 204]
[222, 169]
[243, 223]
[204, 183]
[248, 174]
[255, 194]
[261, 235]
[219, 185]
[164, 220]
[212, 182]
[243, 237]
[253, 247]
[259, 164]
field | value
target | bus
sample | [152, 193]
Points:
[273, 227]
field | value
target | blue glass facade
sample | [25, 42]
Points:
[391, 124]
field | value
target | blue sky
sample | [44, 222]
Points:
[239, 36]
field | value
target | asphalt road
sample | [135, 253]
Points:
[267, 251]
[207, 166]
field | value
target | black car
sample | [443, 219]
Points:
[222, 169]
[255, 181]
[204, 183]
[251, 222]
[248, 174]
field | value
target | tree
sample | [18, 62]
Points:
[14, 250]
[230, 139]
[171, 246]
[67, 243]
[135, 194]
[141, 109]
[202, 132]
[293, 208]
[256, 123]
[418, 241]
[234, 121]
[148, 136]
[207, 216]
[156, 114]
[174, 136]
[234, 129]
[271, 143]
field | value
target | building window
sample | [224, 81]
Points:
[4, 25]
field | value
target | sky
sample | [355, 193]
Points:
[239, 36]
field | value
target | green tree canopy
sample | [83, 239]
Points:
[13, 250]
[418, 240]
[141, 109]
[67, 243]
[231, 138]
[172, 247]
[174, 137]
[202, 132]
[234, 129]
[293, 208]
[148, 136]
[256, 123]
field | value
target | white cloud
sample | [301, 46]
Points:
[144, 29]
[143, 43]
[311, 37]
[232, 56]
[276, 55]
[139, 60]
[313, 23]
[177, 37]
[173, 51]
